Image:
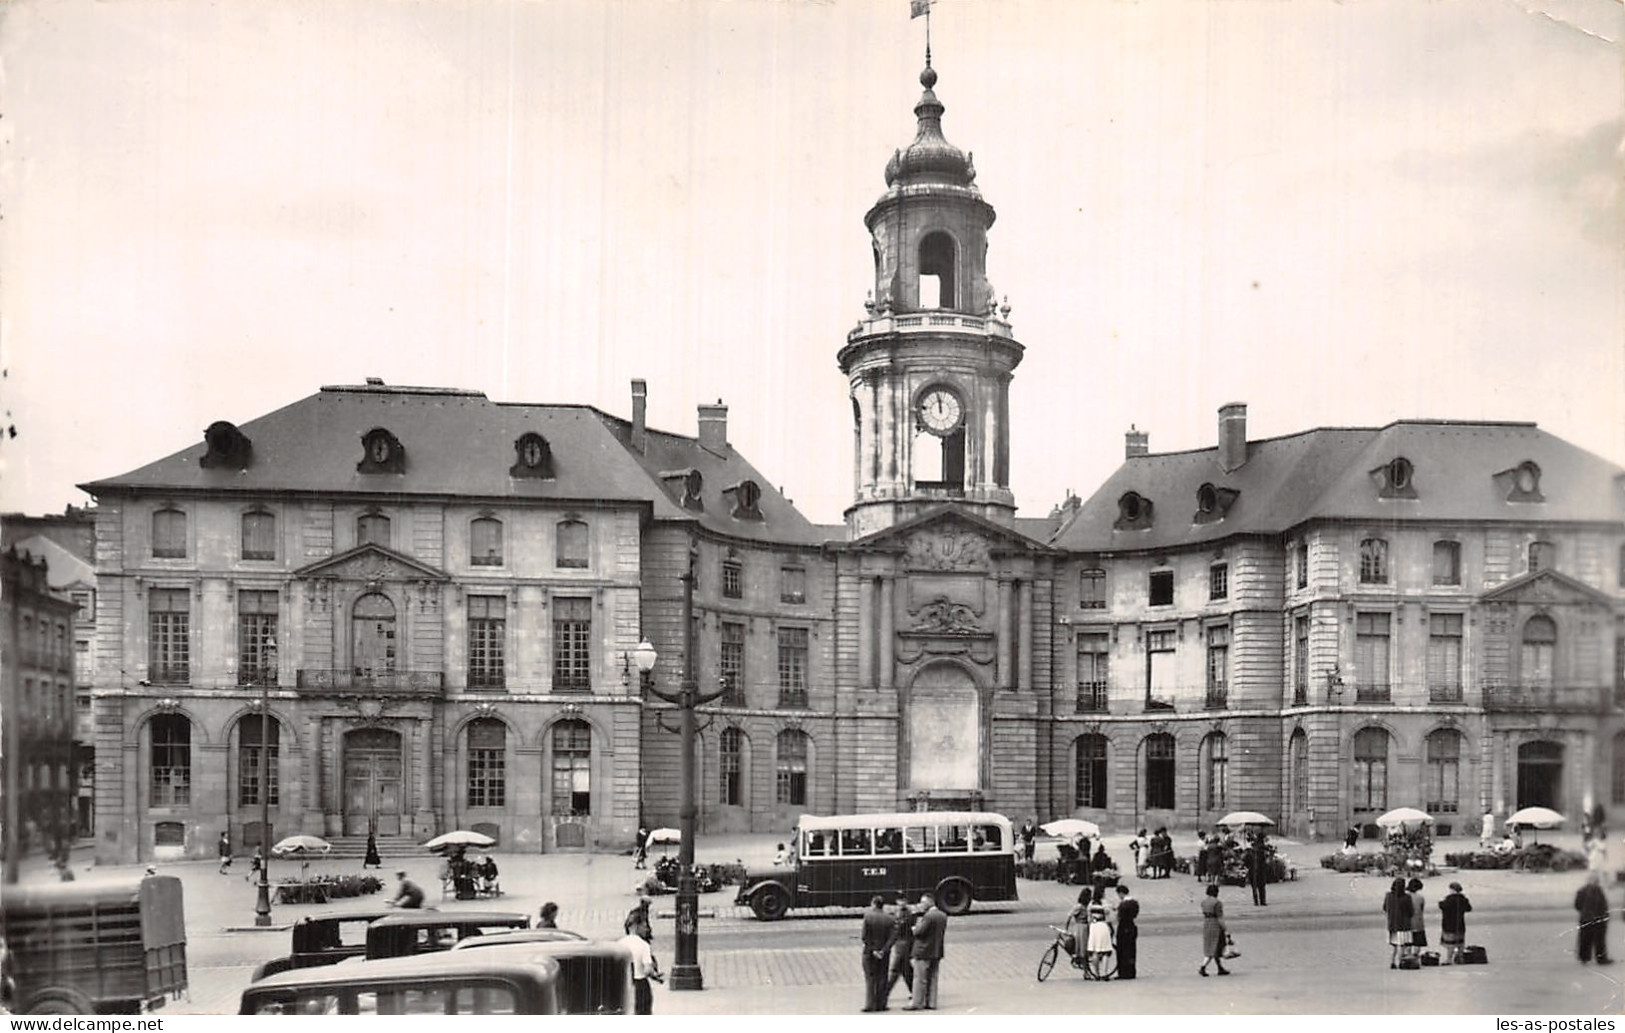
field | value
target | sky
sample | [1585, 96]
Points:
[1340, 213]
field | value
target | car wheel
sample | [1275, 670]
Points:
[770, 903]
[954, 896]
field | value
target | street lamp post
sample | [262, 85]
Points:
[262, 899]
[685, 972]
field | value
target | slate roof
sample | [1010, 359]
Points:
[1326, 474]
[63, 568]
[460, 444]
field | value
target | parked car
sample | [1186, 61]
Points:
[514, 980]
[519, 936]
[421, 931]
[325, 938]
[595, 976]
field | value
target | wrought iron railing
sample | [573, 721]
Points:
[1216, 699]
[347, 679]
[1573, 699]
[1373, 692]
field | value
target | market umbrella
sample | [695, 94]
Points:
[1244, 818]
[459, 838]
[1067, 828]
[1535, 818]
[1404, 816]
[665, 836]
[302, 846]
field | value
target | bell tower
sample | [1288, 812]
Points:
[929, 364]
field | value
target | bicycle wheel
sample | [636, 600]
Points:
[1102, 966]
[1046, 964]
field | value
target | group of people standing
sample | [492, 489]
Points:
[1153, 855]
[906, 945]
[1406, 911]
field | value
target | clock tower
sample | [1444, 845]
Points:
[929, 364]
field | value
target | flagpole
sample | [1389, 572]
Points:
[928, 33]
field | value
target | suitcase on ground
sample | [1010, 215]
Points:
[1410, 961]
[1474, 956]
[1430, 959]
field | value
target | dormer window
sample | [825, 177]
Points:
[687, 485]
[1133, 512]
[1394, 479]
[381, 452]
[1213, 502]
[747, 496]
[1522, 482]
[533, 457]
[228, 447]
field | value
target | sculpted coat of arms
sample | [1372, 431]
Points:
[948, 550]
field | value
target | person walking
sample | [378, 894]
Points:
[1258, 870]
[878, 931]
[1419, 929]
[930, 930]
[1128, 932]
[644, 969]
[548, 917]
[255, 865]
[1397, 906]
[1592, 903]
[1029, 840]
[1453, 923]
[224, 847]
[640, 849]
[637, 920]
[1215, 858]
[408, 894]
[372, 860]
[1214, 932]
[902, 949]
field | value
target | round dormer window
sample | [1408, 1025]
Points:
[1131, 506]
[1399, 474]
[1207, 498]
[1528, 478]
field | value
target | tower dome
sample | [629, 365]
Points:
[930, 158]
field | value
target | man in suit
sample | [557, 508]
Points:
[902, 951]
[878, 932]
[1128, 933]
[930, 929]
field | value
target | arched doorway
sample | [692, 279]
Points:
[1540, 774]
[944, 734]
[372, 782]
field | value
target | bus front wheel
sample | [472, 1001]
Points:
[770, 903]
[59, 1002]
[954, 896]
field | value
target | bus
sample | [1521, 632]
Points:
[844, 861]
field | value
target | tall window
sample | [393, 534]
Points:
[572, 768]
[259, 536]
[169, 534]
[1216, 757]
[169, 635]
[251, 739]
[485, 542]
[733, 579]
[1091, 791]
[1218, 581]
[1162, 588]
[791, 780]
[1446, 563]
[1442, 789]
[1300, 770]
[1542, 556]
[792, 667]
[792, 584]
[1374, 561]
[731, 663]
[1371, 770]
[170, 769]
[1539, 647]
[1161, 677]
[487, 641]
[1159, 771]
[372, 529]
[1094, 670]
[572, 544]
[572, 644]
[488, 762]
[1302, 564]
[1371, 656]
[1619, 768]
[1218, 665]
[730, 755]
[1444, 657]
[1300, 660]
[1092, 589]
[256, 638]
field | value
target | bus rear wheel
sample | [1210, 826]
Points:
[59, 1002]
[770, 903]
[954, 896]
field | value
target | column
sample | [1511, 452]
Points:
[888, 639]
[866, 632]
[1024, 641]
[1006, 676]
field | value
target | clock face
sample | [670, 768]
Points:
[380, 449]
[940, 410]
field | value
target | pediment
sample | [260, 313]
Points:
[1546, 587]
[372, 563]
[949, 539]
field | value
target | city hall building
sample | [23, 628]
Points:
[420, 604]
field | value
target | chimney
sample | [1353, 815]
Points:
[640, 411]
[1232, 436]
[714, 426]
[1136, 443]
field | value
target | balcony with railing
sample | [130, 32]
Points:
[1373, 692]
[169, 674]
[257, 676]
[792, 698]
[1518, 697]
[319, 680]
[1216, 698]
[1446, 693]
[1092, 697]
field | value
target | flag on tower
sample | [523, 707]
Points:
[916, 8]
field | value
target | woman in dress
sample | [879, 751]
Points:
[1419, 929]
[1397, 906]
[1214, 934]
[1100, 936]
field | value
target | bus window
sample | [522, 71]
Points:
[854, 842]
[951, 839]
[986, 837]
[815, 845]
[486, 1000]
[889, 841]
[922, 840]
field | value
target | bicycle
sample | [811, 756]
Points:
[1099, 966]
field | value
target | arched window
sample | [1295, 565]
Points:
[1542, 556]
[1442, 785]
[1374, 561]
[791, 775]
[485, 542]
[571, 536]
[572, 768]
[170, 767]
[1091, 761]
[937, 279]
[256, 733]
[487, 762]
[372, 529]
[731, 752]
[1215, 772]
[1371, 769]
[169, 534]
[259, 535]
[373, 646]
[1538, 653]
[1299, 758]
[1159, 771]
